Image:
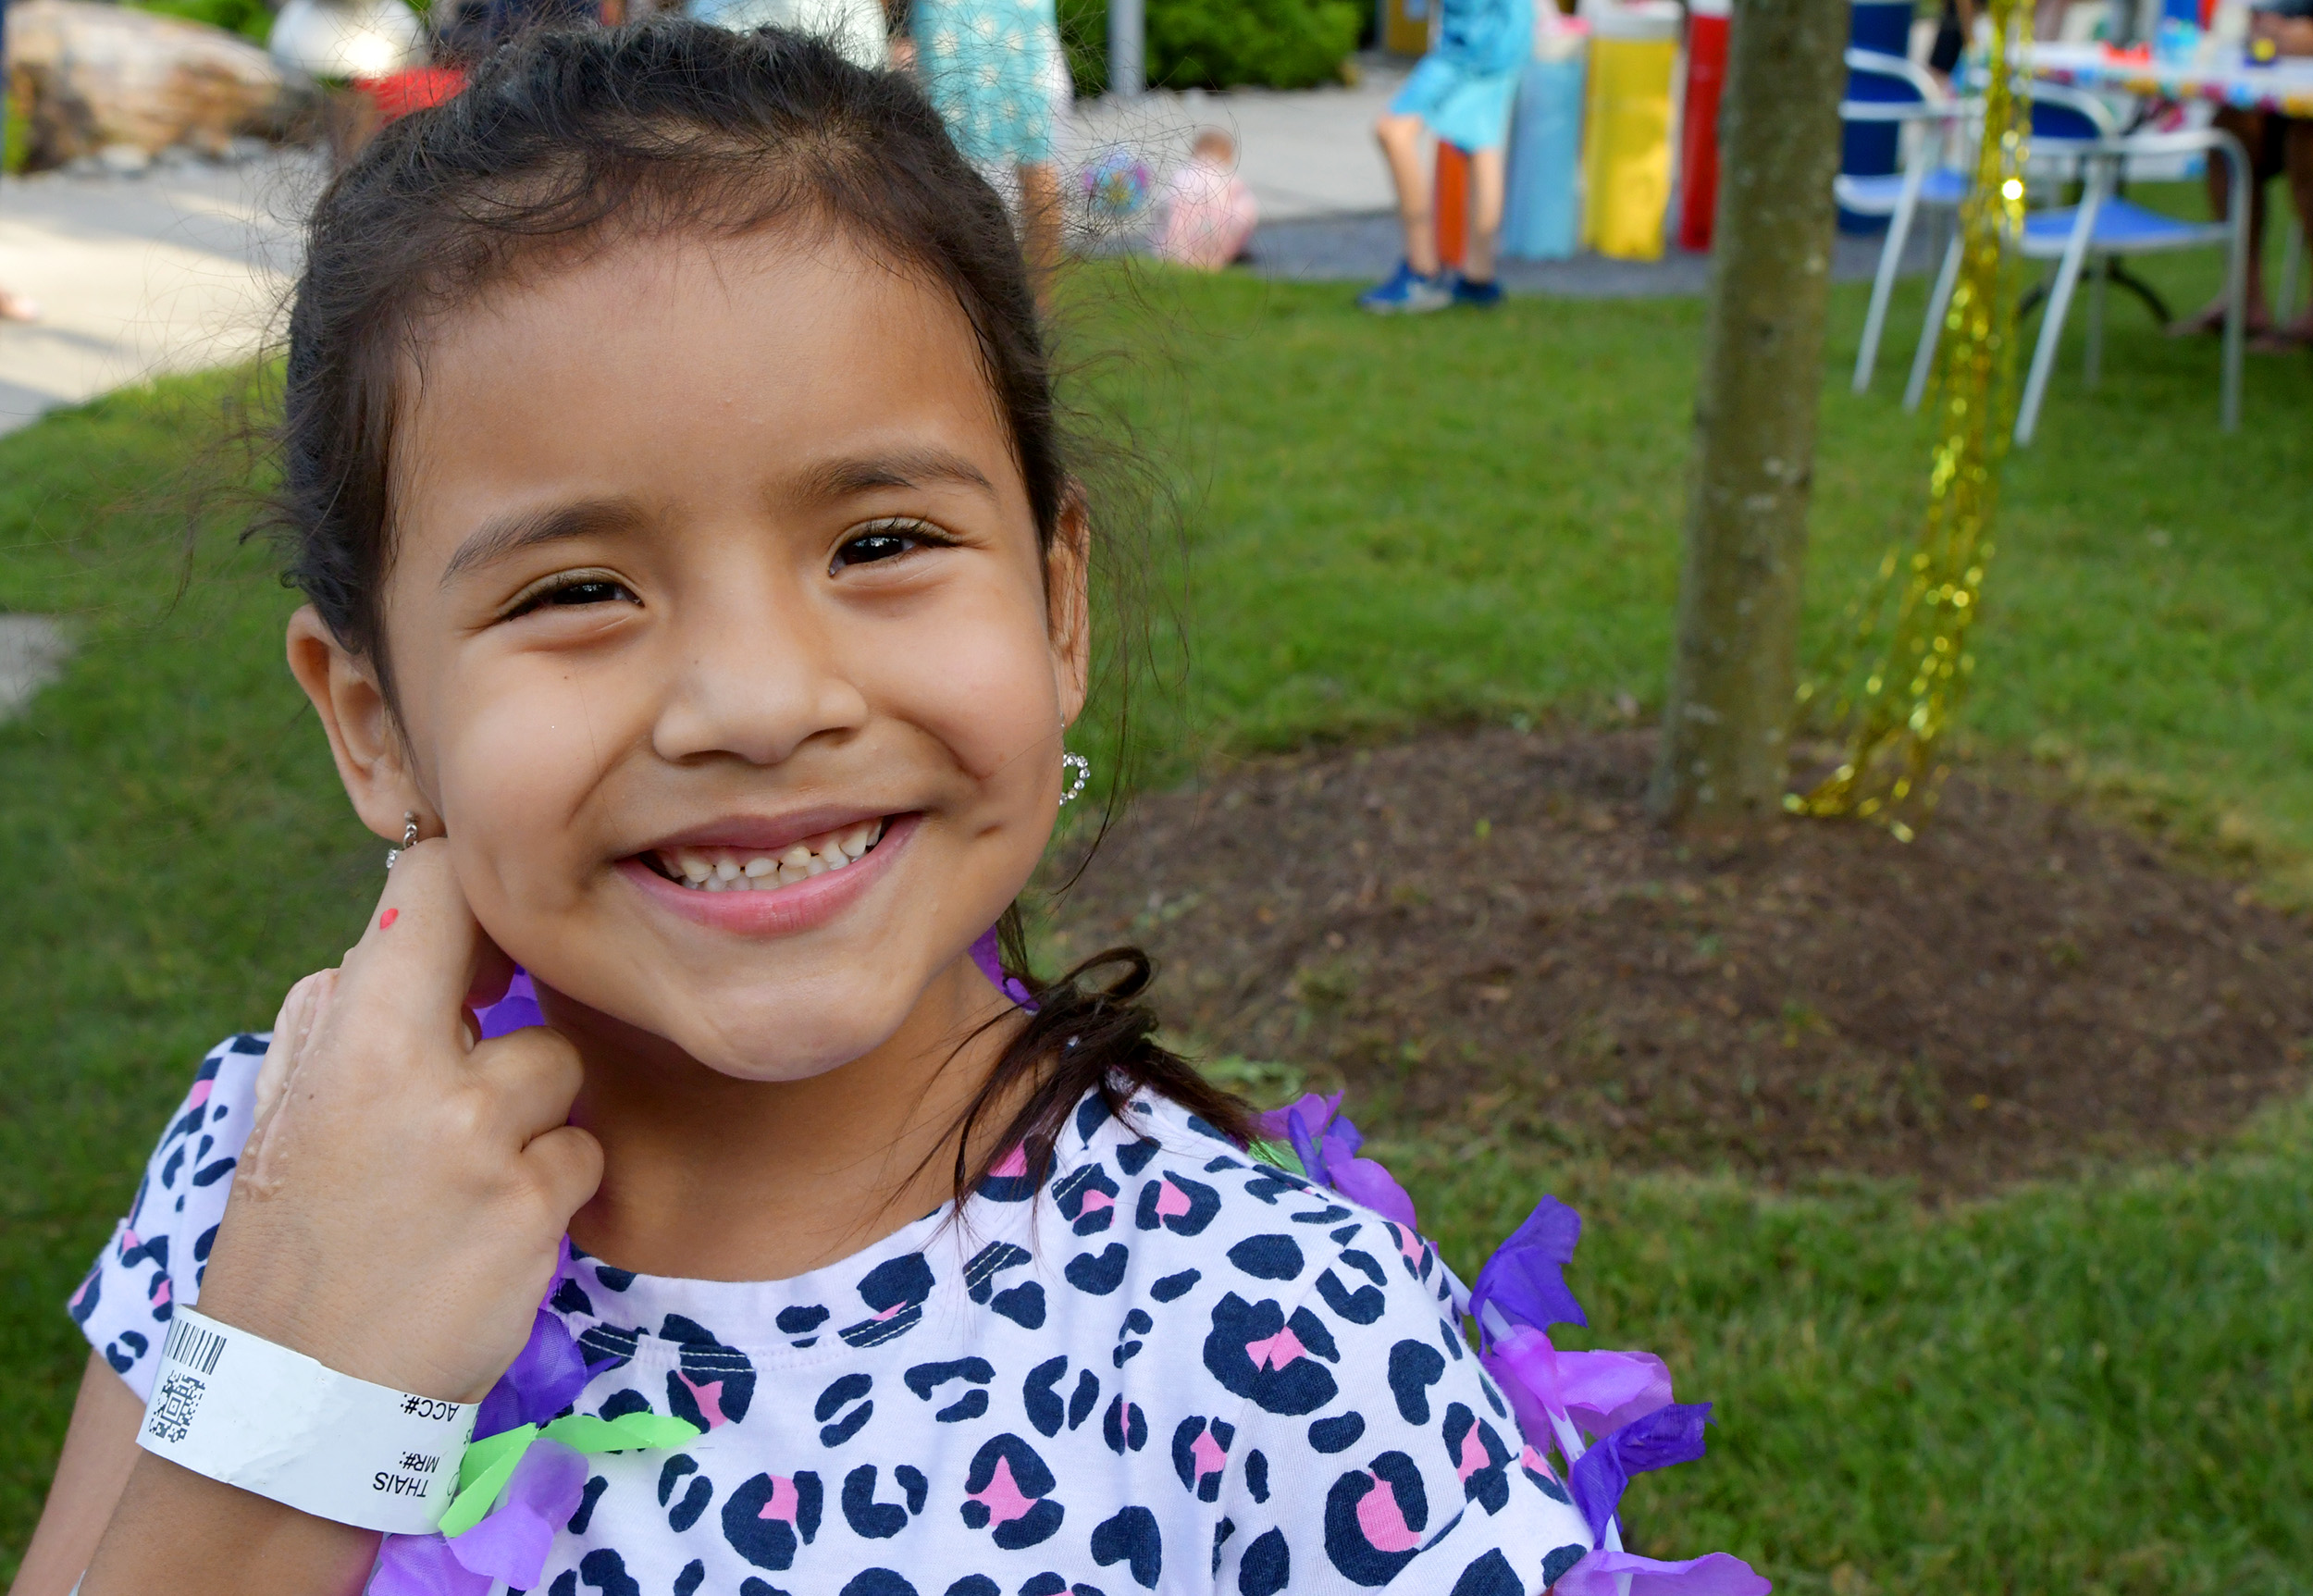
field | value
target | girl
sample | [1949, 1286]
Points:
[697, 588]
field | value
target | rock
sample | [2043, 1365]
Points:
[33, 651]
[93, 78]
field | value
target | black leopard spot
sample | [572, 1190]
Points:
[1098, 1276]
[1266, 1568]
[767, 1518]
[1007, 1491]
[1267, 1257]
[1255, 1351]
[1132, 1538]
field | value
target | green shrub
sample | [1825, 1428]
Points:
[1219, 44]
[249, 19]
[15, 136]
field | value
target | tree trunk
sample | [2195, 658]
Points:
[1726, 723]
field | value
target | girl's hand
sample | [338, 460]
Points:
[399, 1208]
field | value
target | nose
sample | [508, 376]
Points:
[754, 681]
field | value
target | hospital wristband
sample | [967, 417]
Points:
[240, 1410]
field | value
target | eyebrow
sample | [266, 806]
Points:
[504, 535]
[904, 469]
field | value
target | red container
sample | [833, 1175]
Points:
[1452, 205]
[1699, 121]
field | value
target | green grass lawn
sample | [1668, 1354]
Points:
[2094, 1386]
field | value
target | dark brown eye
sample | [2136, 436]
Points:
[871, 548]
[573, 594]
[590, 592]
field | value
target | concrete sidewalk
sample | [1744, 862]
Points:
[186, 266]
[1306, 153]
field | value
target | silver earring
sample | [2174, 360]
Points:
[1081, 768]
[409, 837]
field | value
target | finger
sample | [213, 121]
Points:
[533, 1074]
[300, 1010]
[567, 1164]
[419, 953]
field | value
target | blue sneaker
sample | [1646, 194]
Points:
[1482, 295]
[1407, 293]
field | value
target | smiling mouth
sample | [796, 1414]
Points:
[750, 869]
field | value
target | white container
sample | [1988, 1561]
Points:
[335, 40]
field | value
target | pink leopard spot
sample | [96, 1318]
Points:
[1170, 1200]
[160, 1290]
[1383, 1522]
[1473, 1456]
[1276, 1351]
[1206, 1453]
[1002, 1498]
[1410, 1244]
[893, 1311]
[709, 1400]
[783, 1501]
[200, 1094]
[1013, 1165]
[1095, 1200]
[1534, 1460]
[128, 1242]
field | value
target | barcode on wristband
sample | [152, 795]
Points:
[192, 1346]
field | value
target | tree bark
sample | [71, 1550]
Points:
[1726, 723]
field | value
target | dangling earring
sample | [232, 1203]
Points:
[1081, 768]
[409, 837]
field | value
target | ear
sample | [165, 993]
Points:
[363, 741]
[1067, 601]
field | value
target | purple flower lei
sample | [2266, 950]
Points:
[1621, 1401]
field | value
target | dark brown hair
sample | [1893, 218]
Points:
[565, 141]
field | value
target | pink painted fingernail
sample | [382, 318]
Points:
[387, 917]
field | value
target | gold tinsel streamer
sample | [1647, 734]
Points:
[1914, 680]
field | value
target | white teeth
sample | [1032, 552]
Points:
[720, 870]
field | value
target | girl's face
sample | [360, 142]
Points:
[723, 649]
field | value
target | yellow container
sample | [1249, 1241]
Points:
[1627, 135]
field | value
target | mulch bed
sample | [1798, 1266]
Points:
[1484, 931]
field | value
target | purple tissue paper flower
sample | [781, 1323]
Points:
[423, 1565]
[1666, 1436]
[1327, 1141]
[516, 1012]
[1599, 1391]
[1525, 1278]
[511, 1540]
[1716, 1574]
[990, 959]
[547, 1374]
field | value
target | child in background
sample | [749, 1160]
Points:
[1462, 92]
[1209, 210]
[705, 625]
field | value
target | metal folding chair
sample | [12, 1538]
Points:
[2078, 132]
[1927, 179]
